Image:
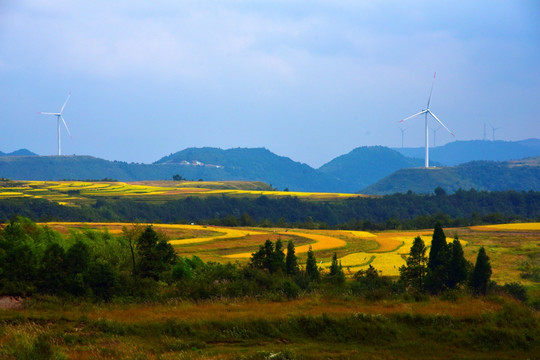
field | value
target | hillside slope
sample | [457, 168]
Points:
[520, 175]
[251, 164]
[366, 165]
[20, 152]
[459, 152]
[206, 163]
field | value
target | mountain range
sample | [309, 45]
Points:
[374, 170]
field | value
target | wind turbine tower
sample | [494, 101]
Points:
[58, 118]
[425, 112]
[493, 131]
[402, 135]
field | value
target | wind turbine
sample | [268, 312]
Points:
[425, 112]
[58, 117]
[402, 135]
[435, 133]
[493, 128]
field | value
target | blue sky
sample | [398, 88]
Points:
[309, 80]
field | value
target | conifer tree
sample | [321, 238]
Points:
[278, 257]
[291, 263]
[481, 274]
[437, 277]
[413, 274]
[312, 271]
[336, 272]
[457, 268]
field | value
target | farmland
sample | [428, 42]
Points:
[507, 247]
[193, 318]
[75, 193]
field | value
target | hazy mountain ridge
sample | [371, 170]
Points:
[366, 165]
[459, 152]
[362, 168]
[523, 175]
[20, 152]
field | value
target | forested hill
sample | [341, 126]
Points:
[207, 164]
[20, 152]
[480, 175]
[460, 152]
[254, 164]
[365, 165]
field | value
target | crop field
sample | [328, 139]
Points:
[73, 193]
[509, 246]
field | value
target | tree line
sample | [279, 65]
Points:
[398, 211]
[139, 264]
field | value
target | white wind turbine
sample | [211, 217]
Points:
[425, 112]
[58, 117]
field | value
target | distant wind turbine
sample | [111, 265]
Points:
[58, 117]
[402, 135]
[435, 133]
[493, 129]
[425, 112]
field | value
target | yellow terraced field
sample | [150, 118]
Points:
[508, 227]
[386, 251]
[84, 191]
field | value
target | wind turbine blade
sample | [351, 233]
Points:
[64, 121]
[431, 92]
[48, 113]
[410, 117]
[62, 110]
[440, 122]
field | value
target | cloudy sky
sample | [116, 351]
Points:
[309, 80]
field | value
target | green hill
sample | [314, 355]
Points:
[366, 165]
[522, 175]
[459, 152]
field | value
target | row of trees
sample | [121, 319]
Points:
[398, 211]
[446, 266]
[141, 264]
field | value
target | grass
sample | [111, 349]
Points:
[307, 328]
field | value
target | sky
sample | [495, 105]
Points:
[310, 80]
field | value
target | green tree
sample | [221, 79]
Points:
[76, 263]
[291, 261]
[336, 273]
[458, 266]
[312, 271]
[52, 274]
[413, 274]
[481, 274]
[437, 277]
[155, 255]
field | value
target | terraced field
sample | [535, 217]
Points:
[508, 245]
[79, 192]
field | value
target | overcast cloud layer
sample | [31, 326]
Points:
[310, 80]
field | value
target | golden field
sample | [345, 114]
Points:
[84, 192]
[386, 251]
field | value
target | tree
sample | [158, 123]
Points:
[481, 274]
[268, 258]
[413, 274]
[76, 263]
[336, 271]
[131, 235]
[155, 255]
[458, 266]
[437, 277]
[291, 263]
[52, 274]
[312, 271]
[278, 258]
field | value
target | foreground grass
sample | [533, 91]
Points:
[309, 328]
